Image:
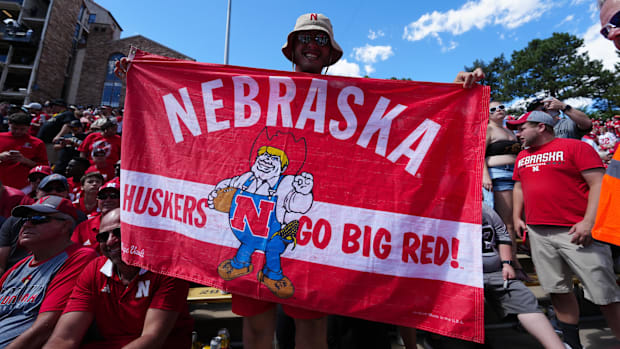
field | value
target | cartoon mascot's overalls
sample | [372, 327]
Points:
[265, 206]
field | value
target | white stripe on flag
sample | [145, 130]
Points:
[217, 231]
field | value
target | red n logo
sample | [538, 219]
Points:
[258, 220]
[314, 17]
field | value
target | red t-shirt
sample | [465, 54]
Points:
[74, 188]
[112, 146]
[81, 205]
[60, 288]
[554, 191]
[10, 198]
[120, 311]
[85, 232]
[15, 174]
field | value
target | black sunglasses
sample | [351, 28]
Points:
[112, 195]
[614, 22]
[36, 220]
[500, 107]
[104, 235]
[321, 39]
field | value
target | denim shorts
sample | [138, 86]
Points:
[502, 177]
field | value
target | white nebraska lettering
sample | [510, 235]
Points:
[555, 156]
[282, 93]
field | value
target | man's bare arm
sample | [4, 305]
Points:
[157, 326]
[70, 330]
[37, 335]
[582, 231]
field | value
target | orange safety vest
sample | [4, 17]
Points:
[607, 226]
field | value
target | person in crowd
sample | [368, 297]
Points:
[153, 312]
[87, 201]
[607, 140]
[559, 221]
[10, 251]
[311, 47]
[610, 20]
[34, 291]
[66, 144]
[76, 168]
[100, 162]
[607, 219]
[108, 198]
[4, 116]
[19, 152]
[9, 198]
[575, 125]
[502, 148]
[35, 177]
[505, 294]
[50, 128]
[106, 140]
[117, 169]
[38, 117]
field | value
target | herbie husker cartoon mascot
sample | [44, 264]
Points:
[264, 207]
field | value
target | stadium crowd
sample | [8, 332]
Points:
[60, 258]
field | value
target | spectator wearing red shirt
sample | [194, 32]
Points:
[101, 164]
[38, 117]
[9, 198]
[153, 312]
[76, 168]
[108, 198]
[87, 201]
[34, 291]
[105, 140]
[559, 182]
[19, 152]
[35, 177]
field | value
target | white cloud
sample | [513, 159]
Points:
[370, 54]
[344, 68]
[451, 46]
[599, 48]
[579, 2]
[372, 35]
[579, 102]
[509, 14]
[565, 20]
[369, 69]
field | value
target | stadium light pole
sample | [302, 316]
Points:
[227, 34]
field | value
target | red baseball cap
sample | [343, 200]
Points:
[47, 204]
[46, 170]
[114, 184]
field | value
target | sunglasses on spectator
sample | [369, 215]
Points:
[321, 39]
[54, 188]
[500, 107]
[112, 195]
[104, 235]
[614, 22]
[36, 220]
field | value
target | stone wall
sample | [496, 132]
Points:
[56, 51]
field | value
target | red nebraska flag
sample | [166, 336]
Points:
[349, 196]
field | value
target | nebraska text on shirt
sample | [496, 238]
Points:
[542, 158]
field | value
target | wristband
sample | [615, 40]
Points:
[567, 108]
[507, 262]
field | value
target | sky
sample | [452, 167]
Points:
[420, 40]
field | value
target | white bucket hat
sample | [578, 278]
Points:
[313, 21]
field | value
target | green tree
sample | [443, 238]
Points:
[493, 72]
[554, 67]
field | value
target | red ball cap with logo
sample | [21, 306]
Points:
[46, 204]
